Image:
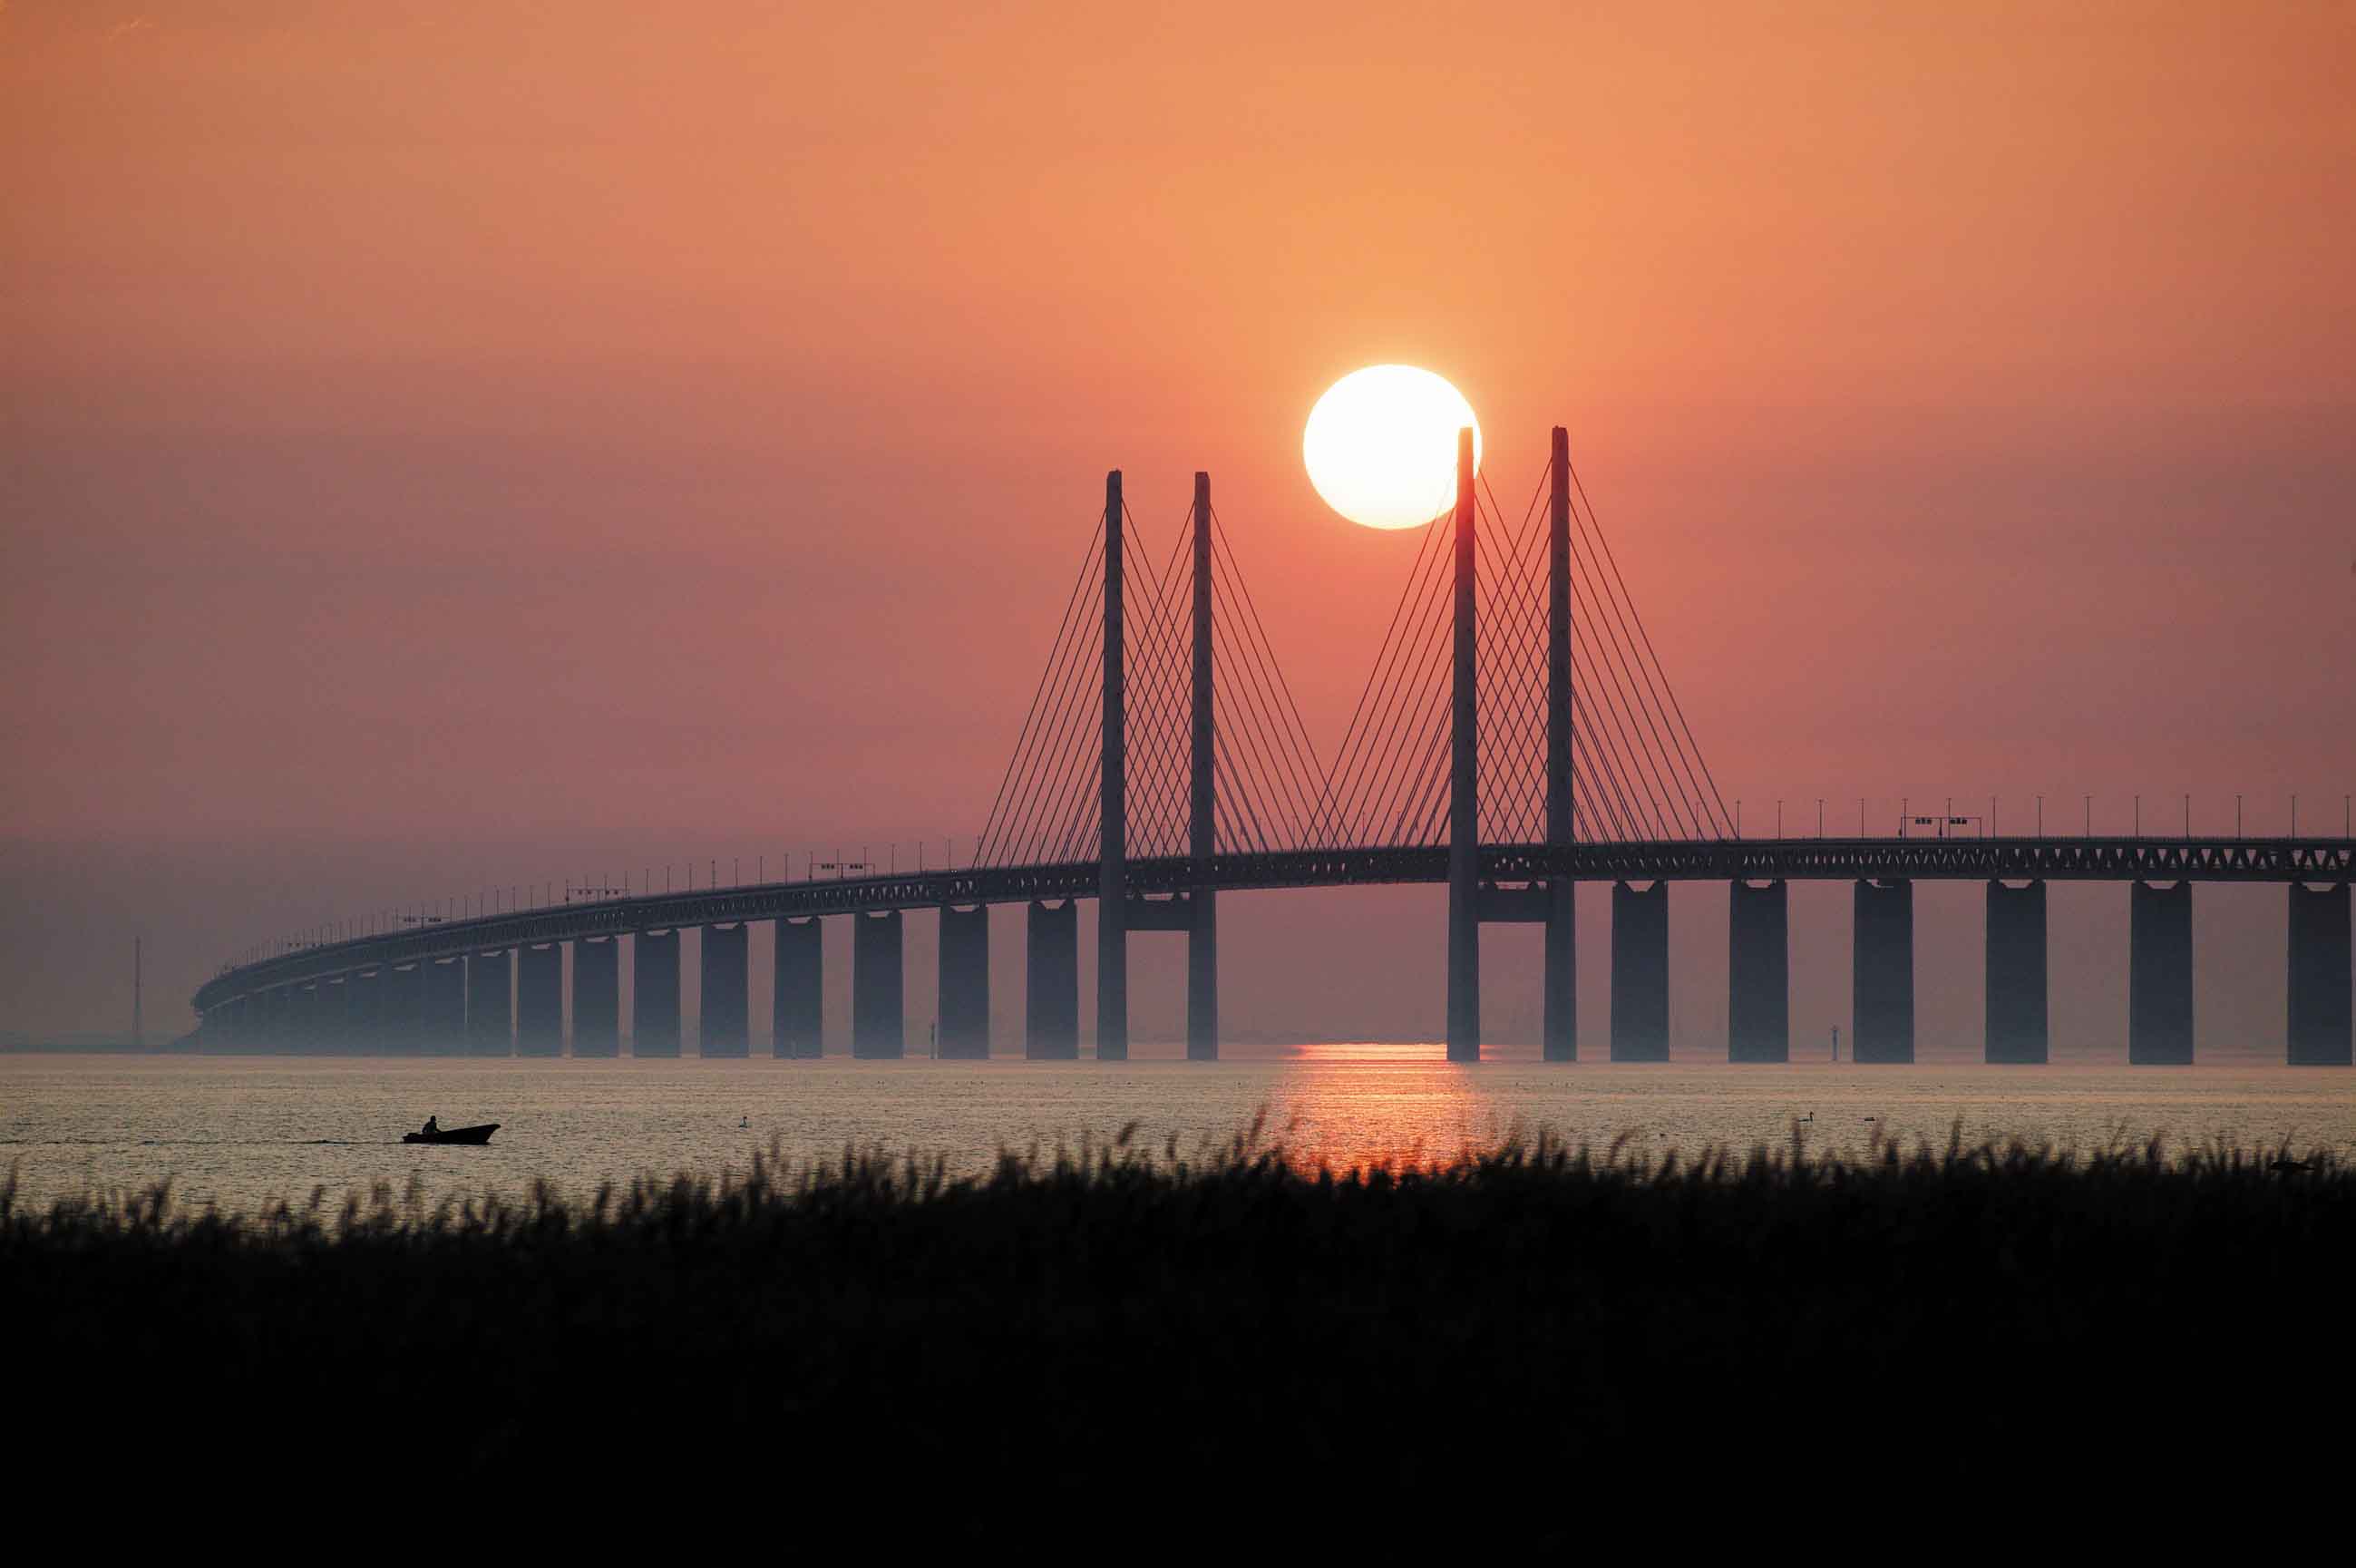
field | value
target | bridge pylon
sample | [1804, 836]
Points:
[1118, 911]
[1112, 806]
[1203, 822]
[1560, 1025]
[1463, 786]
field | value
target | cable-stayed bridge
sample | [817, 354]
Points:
[1517, 734]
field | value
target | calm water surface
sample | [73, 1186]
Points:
[239, 1132]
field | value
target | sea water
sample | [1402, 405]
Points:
[239, 1131]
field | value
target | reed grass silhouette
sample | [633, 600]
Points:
[1095, 1317]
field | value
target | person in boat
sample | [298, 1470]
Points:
[432, 1125]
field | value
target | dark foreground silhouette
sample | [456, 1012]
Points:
[1513, 1345]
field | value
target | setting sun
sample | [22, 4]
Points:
[1381, 446]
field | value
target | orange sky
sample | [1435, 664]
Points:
[442, 444]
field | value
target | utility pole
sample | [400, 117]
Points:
[138, 1020]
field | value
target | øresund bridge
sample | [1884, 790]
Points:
[1517, 735]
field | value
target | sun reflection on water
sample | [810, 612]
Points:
[1359, 1105]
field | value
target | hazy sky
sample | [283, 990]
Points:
[443, 445]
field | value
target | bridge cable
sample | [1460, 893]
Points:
[1625, 705]
[1051, 761]
[1064, 747]
[1306, 762]
[1353, 738]
[1265, 712]
[1039, 692]
[1667, 686]
[1615, 595]
[1406, 698]
[1040, 768]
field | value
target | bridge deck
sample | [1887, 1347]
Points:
[2277, 860]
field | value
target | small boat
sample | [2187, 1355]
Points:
[481, 1134]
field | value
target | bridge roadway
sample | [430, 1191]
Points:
[2152, 860]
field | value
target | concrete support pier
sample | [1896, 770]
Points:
[797, 1008]
[444, 1031]
[1201, 830]
[877, 1027]
[1758, 973]
[2319, 993]
[540, 1000]
[1559, 1028]
[597, 998]
[726, 992]
[331, 1014]
[1640, 972]
[404, 1011]
[2159, 974]
[1463, 787]
[2017, 991]
[1051, 973]
[654, 999]
[1881, 977]
[364, 1024]
[490, 1013]
[962, 1028]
